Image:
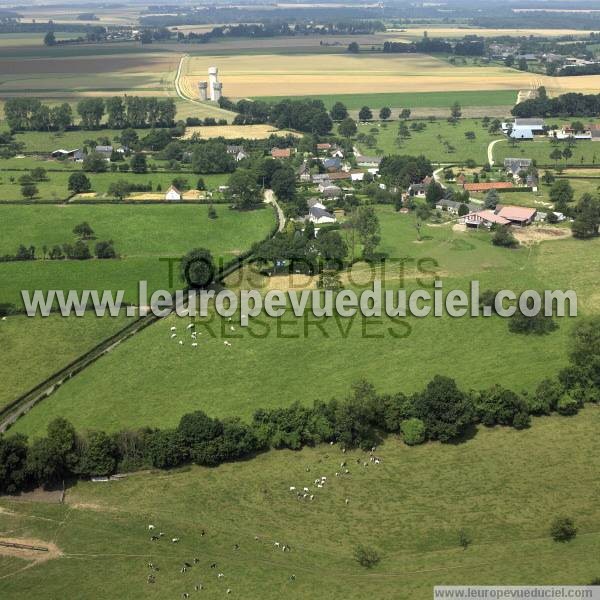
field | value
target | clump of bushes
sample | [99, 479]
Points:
[563, 529]
[366, 557]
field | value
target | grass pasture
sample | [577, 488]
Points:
[410, 509]
[271, 352]
[440, 141]
[584, 152]
[42, 346]
[142, 234]
[496, 98]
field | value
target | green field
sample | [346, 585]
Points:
[55, 188]
[142, 235]
[414, 100]
[273, 363]
[584, 152]
[45, 345]
[410, 509]
[431, 141]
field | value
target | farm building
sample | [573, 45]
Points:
[568, 133]
[357, 175]
[517, 215]
[173, 194]
[282, 152]
[487, 186]
[453, 207]
[484, 218]
[63, 154]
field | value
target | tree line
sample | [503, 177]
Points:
[304, 114]
[470, 45]
[441, 411]
[566, 105]
[30, 114]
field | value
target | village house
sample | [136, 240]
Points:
[324, 147]
[515, 165]
[315, 202]
[105, 151]
[368, 161]
[320, 177]
[339, 176]
[332, 164]
[320, 216]
[303, 172]
[417, 190]
[173, 194]
[357, 175]
[237, 152]
[330, 191]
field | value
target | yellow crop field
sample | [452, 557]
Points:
[251, 132]
[299, 75]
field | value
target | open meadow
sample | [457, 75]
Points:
[35, 348]
[410, 508]
[270, 363]
[144, 236]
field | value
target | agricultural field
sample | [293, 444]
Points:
[98, 72]
[142, 235]
[45, 345]
[249, 132]
[272, 351]
[277, 75]
[410, 508]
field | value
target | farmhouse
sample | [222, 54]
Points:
[417, 190]
[524, 129]
[570, 133]
[487, 186]
[173, 194]
[517, 215]
[319, 216]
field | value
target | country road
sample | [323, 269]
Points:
[490, 151]
[271, 199]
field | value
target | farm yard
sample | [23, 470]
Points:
[410, 508]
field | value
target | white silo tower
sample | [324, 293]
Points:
[203, 90]
[217, 91]
[213, 78]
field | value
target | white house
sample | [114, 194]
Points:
[173, 194]
[319, 216]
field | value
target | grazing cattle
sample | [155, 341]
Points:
[293, 577]
[312, 496]
[183, 569]
[202, 533]
[194, 344]
[220, 575]
[323, 478]
[346, 471]
[154, 538]
[343, 463]
[304, 495]
[236, 546]
[151, 578]
[190, 326]
[306, 489]
[337, 474]
[319, 485]
[377, 461]
[173, 328]
[196, 561]
[347, 501]
[175, 540]
[228, 591]
[276, 544]
[151, 527]
[213, 566]
[198, 587]
[173, 335]
[344, 450]
[292, 488]
[232, 328]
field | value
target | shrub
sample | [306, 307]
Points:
[464, 539]
[538, 324]
[413, 431]
[563, 529]
[366, 557]
[567, 405]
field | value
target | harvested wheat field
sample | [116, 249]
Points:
[298, 75]
[231, 132]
